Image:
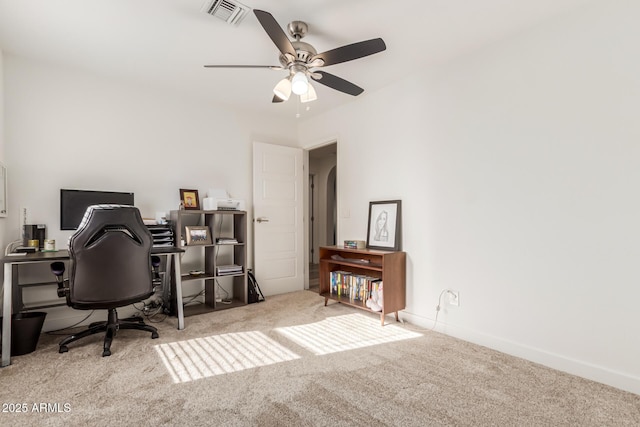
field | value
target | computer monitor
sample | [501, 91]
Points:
[74, 204]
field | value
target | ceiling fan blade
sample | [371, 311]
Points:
[337, 83]
[276, 99]
[271, 67]
[351, 51]
[276, 32]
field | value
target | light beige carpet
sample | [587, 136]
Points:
[290, 361]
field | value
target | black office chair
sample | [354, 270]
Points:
[110, 266]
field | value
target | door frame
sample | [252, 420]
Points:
[305, 159]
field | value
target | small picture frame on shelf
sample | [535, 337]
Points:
[189, 199]
[197, 235]
[384, 229]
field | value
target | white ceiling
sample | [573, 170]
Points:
[167, 42]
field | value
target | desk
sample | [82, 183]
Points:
[10, 261]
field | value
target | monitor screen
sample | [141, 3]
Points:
[74, 203]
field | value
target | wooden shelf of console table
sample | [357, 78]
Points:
[390, 266]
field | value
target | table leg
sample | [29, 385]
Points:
[6, 316]
[178, 273]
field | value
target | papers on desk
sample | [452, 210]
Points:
[163, 245]
[162, 236]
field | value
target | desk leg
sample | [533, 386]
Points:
[178, 273]
[6, 316]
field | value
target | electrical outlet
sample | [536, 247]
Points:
[454, 298]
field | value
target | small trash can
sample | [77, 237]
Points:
[25, 331]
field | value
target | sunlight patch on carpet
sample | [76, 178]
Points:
[199, 358]
[346, 332]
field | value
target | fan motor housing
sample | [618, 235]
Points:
[304, 52]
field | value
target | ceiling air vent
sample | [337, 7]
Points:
[231, 12]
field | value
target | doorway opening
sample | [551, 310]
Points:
[322, 204]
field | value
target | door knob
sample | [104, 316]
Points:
[262, 219]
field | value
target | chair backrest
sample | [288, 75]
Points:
[110, 259]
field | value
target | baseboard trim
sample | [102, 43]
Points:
[571, 366]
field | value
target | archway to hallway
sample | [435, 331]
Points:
[322, 218]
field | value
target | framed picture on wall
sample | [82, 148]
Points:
[384, 230]
[189, 199]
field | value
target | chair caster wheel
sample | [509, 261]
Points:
[63, 349]
[154, 335]
[106, 353]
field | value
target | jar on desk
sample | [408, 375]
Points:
[50, 245]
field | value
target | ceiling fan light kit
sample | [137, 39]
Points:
[283, 89]
[299, 83]
[309, 96]
[298, 58]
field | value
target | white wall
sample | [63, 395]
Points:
[66, 128]
[518, 169]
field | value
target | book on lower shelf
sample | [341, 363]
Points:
[356, 288]
[226, 241]
[222, 270]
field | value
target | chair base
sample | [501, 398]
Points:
[110, 327]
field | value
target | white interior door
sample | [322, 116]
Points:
[278, 216]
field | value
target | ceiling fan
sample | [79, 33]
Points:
[300, 59]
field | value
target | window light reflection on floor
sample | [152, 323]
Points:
[347, 332]
[220, 354]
